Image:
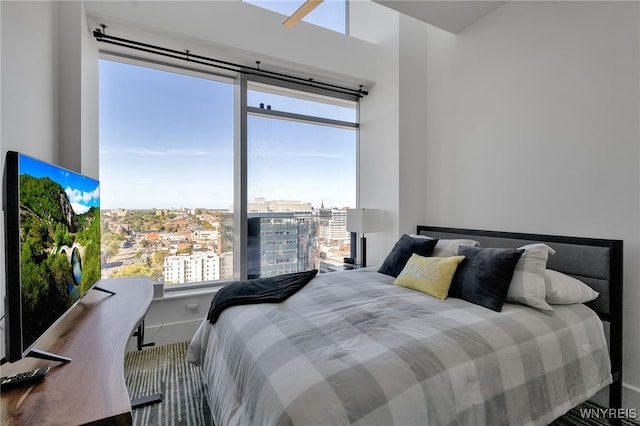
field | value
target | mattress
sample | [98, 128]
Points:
[352, 348]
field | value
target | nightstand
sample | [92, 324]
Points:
[333, 266]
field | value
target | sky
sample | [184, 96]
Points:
[82, 191]
[166, 141]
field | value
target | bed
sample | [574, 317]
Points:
[351, 347]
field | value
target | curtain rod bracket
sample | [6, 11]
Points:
[98, 33]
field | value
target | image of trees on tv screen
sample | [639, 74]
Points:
[60, 244]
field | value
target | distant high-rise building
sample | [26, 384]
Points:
[191, 268]
[226, 265]
[338, 225]
[283, 242]
[333, 225]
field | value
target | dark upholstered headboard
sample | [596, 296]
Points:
[596, 262]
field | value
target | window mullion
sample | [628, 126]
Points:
[271, 113]
[240, 246]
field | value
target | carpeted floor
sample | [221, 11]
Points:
[165, 370]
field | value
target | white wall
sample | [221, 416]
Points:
[393, 129]
[28, 85]
[533, 126]
[78, 86]
[29, 79]
[413, 125]
[378, 167]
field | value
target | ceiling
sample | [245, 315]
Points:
[451, 15]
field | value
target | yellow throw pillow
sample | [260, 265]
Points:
[430, 275]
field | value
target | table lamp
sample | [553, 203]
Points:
[362, 221]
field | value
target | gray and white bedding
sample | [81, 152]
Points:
[352, 348]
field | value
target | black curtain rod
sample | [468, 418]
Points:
[100, 35]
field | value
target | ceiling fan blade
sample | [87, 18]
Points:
[302, 11]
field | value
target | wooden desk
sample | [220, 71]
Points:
[90, 388]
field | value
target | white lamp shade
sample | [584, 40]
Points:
[364, 220]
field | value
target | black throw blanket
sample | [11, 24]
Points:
[259, 290]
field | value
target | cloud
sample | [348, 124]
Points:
[81, 201]
[79, 208]
[93, 195]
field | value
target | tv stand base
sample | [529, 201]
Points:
[36, 353]
[113, 293]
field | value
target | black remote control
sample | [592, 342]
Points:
[25, 378]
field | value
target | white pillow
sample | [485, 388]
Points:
[565, 290]
[446, 248]
[527, 284]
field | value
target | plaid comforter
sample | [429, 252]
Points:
[352, 348]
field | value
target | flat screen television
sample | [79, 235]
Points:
[52, 248]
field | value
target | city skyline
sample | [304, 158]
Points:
[181, 248]
[230, 208]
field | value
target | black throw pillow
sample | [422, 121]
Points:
[402, 251]
[483, 277]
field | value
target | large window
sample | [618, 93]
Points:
[301, 178]
[166, 173]
[167, 167]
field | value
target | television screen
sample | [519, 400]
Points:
[52, 240]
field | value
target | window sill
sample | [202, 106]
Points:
[186, 291]
[178, 294]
